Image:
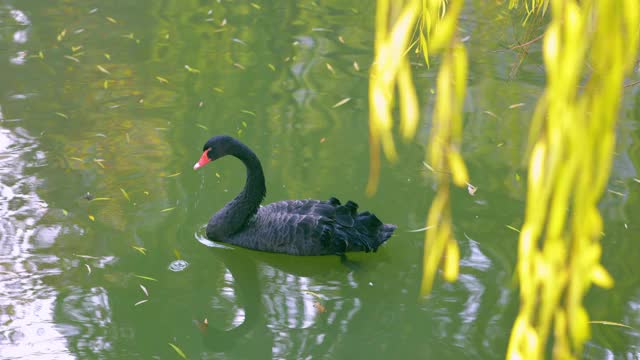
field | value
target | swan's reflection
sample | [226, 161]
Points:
[290, 312]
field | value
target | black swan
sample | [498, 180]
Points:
[296, 227]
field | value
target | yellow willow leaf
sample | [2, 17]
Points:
[458, 169]
[536, 164]
[446, 28]
[403, 29]
[600, 276]
[611, 323]
[579, 325]
[424, 46]
[408, 102]
[382, 123]
[551, 48]
[532, 342]
[451, 261]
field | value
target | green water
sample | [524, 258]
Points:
[113, 101]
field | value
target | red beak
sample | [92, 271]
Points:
[204, 159]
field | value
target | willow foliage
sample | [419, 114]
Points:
[572, 136]
[573, 139]
[437, 30]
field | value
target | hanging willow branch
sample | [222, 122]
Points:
[573, 137]
[391, 70]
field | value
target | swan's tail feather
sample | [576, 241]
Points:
[357, 231]
[373, 232]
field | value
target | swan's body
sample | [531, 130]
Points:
[296, 227]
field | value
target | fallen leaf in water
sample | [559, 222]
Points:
[319, 307]
[92, 218]
[341, 102]
[140, 249]
[192, 70]
[124, 193]
[72, 58]
[62, 34]
[144, 277]
[178, 350]
[102, 69]
[330, 68]
[471, 189]
[202, 325]
[512, 228]
[140, 302]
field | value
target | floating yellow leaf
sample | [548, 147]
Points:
[178, 350]
[356, 66]
[162, 80]
[273, 68]
[174, 175]
[144, 290]
[239, 66]
[512, 228]
[140, 249]
[107, 56]
[144, 277]
[124, 193]
[248, 112]
[99, 162]
[103, 70]
[71, 58]
[140, 302]
[516, 105]
[62, 115]
[192, 70]
[167, 209]
[92, 218]
[100, 199]
[330, 68]
[62, 34]
[341, 102]
[111, 20]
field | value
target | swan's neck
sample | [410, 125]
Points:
[235, 214]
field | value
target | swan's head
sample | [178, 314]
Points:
[215, 148]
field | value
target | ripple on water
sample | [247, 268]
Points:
[27, 303]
